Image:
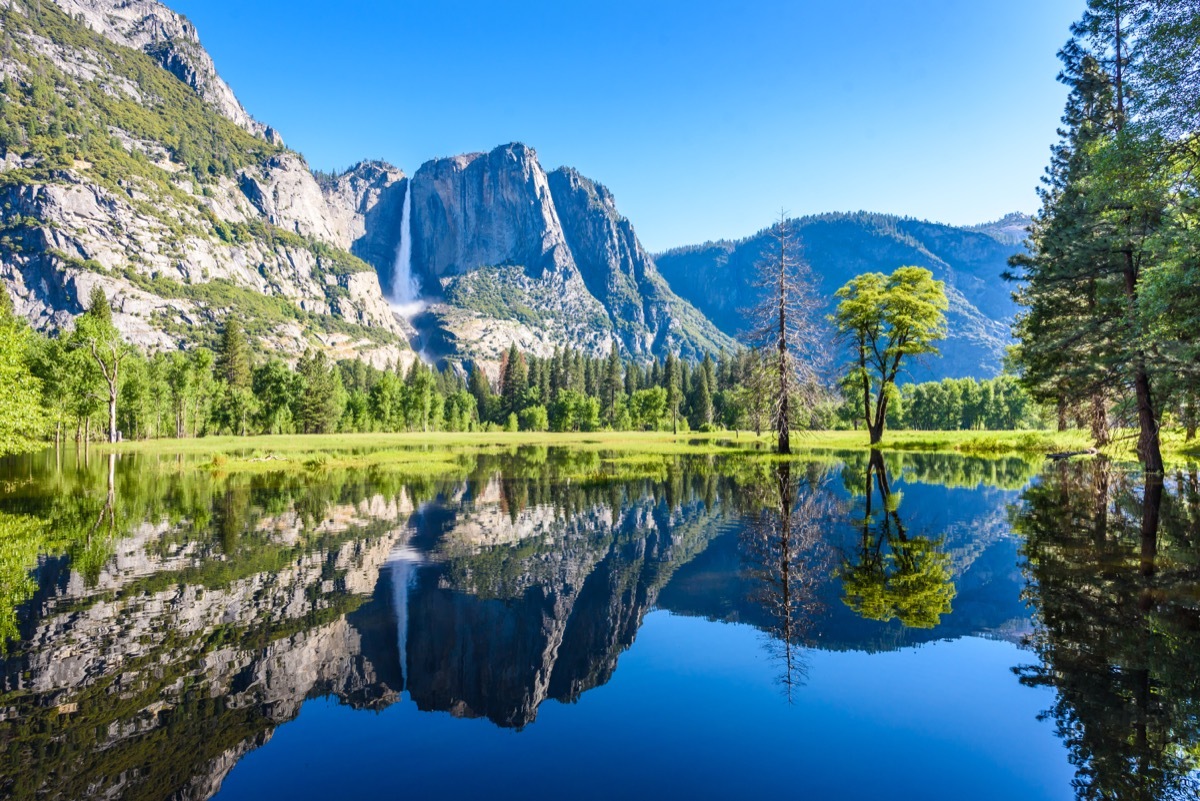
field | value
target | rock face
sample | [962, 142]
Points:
[172, 41]
[185, 219]
[514, 254]
[365, 206]
[486, 209]
[195, 215]
[718, 276]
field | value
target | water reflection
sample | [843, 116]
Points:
[893, 574]
[162, 623]
[1113, 569]
[787, 557]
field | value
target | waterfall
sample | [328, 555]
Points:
[406, 290]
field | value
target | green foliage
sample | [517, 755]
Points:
[535, 418]
[22, 415]
[1109, 314]
[321, 398]
[58, 120]
[887, 321]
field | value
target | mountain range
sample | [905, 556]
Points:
[130, 164]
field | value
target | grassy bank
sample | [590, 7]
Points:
[439, 452]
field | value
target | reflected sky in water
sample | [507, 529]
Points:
[540, 622]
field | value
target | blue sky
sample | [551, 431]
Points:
[703, 118]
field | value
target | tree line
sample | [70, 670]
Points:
[90, 383]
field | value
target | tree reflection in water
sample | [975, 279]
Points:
[893, 574]
[1112, 570]
[787, 556]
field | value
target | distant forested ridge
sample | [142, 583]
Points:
[717, 277]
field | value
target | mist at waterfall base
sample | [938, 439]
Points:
[406, 289]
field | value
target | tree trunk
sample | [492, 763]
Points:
[112, 414]
[1099, 421]
[876, 426]
[1062, 414]
[784, 423]
[1149, 449]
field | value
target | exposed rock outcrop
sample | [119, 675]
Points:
[179, 237]
[172, 41]
[516, 255]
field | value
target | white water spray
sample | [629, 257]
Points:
[406, 290]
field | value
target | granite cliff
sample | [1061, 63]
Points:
[507, 252]
[129, 163]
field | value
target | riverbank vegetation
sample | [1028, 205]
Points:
[1110, 318]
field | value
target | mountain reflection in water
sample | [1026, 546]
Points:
[163, 623]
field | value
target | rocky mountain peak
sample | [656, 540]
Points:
[485, 209]
[171, 40]
[1011, 229]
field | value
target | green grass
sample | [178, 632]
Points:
[441, 452]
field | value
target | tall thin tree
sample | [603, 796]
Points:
[787, 328]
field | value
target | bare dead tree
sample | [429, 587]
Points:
[787, 328]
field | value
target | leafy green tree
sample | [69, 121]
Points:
[204, 388]
[96, 335]
[180, 388]
[386, 402]
[460, 411]
[22, 419]
[50, 364]
[888, 321]
[647, 407]
[535, 418]
[574, 411]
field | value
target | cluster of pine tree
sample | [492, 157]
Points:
[91, 382]
[571, 391]
[1111, 316]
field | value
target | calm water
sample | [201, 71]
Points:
[543, 624]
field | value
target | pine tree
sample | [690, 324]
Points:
[674, 387]
[233, 356]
